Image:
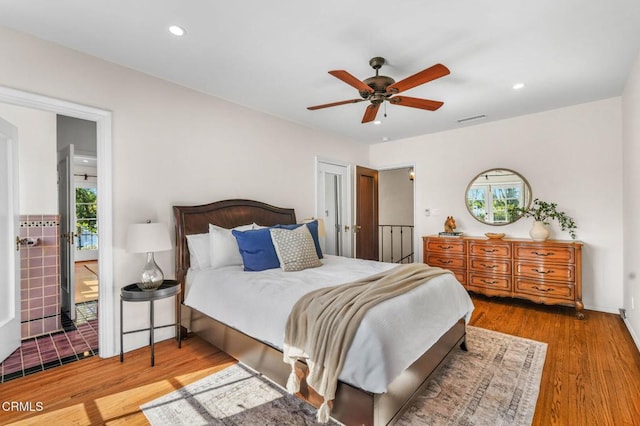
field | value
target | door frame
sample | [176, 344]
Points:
[103, 119]
[10, 321]
[347, 187]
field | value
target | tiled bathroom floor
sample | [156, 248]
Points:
[78, 340]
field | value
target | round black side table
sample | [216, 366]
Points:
[133, 293]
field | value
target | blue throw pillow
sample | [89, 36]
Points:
[256, 249]
[313, 228]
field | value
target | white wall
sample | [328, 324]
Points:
[172, 145]
[572, 156]
[631, 223]
[80, 133]
[37, 158]
[395, 196]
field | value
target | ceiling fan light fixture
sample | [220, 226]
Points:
[380, 88]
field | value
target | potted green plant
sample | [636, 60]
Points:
[542, 213]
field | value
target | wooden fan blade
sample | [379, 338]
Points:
[370, 113]
[351, 80]
[332, 104]
[416, 102]
[424, 76]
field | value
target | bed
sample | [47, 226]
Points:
[359, 400]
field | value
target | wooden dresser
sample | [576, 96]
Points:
[548, 272]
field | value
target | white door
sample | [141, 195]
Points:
[9, 238]
[333, 206]
[67, 210]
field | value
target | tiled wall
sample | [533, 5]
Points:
[40, 275]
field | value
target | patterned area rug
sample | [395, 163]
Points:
[495, 383]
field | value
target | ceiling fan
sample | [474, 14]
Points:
[381, 88]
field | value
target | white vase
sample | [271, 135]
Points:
[539, 231]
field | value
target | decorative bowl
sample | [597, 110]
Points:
[494, 236]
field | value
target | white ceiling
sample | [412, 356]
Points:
[273, 56]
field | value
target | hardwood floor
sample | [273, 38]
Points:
[591, 373]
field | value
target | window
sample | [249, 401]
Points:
[495, 203]
[87, 218]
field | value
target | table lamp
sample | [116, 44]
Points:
[149, 238]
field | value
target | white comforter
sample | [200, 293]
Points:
[392, 335]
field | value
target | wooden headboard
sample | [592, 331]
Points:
[227, 214]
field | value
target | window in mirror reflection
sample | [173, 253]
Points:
[495, 199]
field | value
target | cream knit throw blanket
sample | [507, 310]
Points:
[322, 324]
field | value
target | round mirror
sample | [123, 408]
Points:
[494, 196]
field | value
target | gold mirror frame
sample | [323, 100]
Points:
[514, 192]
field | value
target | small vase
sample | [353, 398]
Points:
[539, 231]
[152, 276]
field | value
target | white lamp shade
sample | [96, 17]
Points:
[148, 238]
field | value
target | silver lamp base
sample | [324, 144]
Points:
[152, 276]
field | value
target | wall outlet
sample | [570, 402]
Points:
[427, 212]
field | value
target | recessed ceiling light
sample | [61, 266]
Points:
[176, 30]
[518, 86]
[385, 139]
[377, 122]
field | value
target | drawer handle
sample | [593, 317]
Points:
[489, 282]
[445, 247]
[489, 251]
[550, 271]
[445, 262]
[535, 287]
[543, 254]
[489, 266]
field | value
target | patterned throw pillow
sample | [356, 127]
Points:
[295, 248]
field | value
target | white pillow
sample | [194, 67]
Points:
[199, 250]
[295, 248]
[224, 249]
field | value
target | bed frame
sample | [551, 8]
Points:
[352, 406]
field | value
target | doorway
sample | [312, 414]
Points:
[396, 215]
[77, 207]
[86, 263]
[102, 119]
[333, 206]
[385, 214]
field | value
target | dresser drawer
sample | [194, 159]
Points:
[545, 289]
[489, 265]
[447, 262]
[564, 254]
[488, 281]
[545, 271]
[478, 248]
[446, 245]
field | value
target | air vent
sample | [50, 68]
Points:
[475, 117]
